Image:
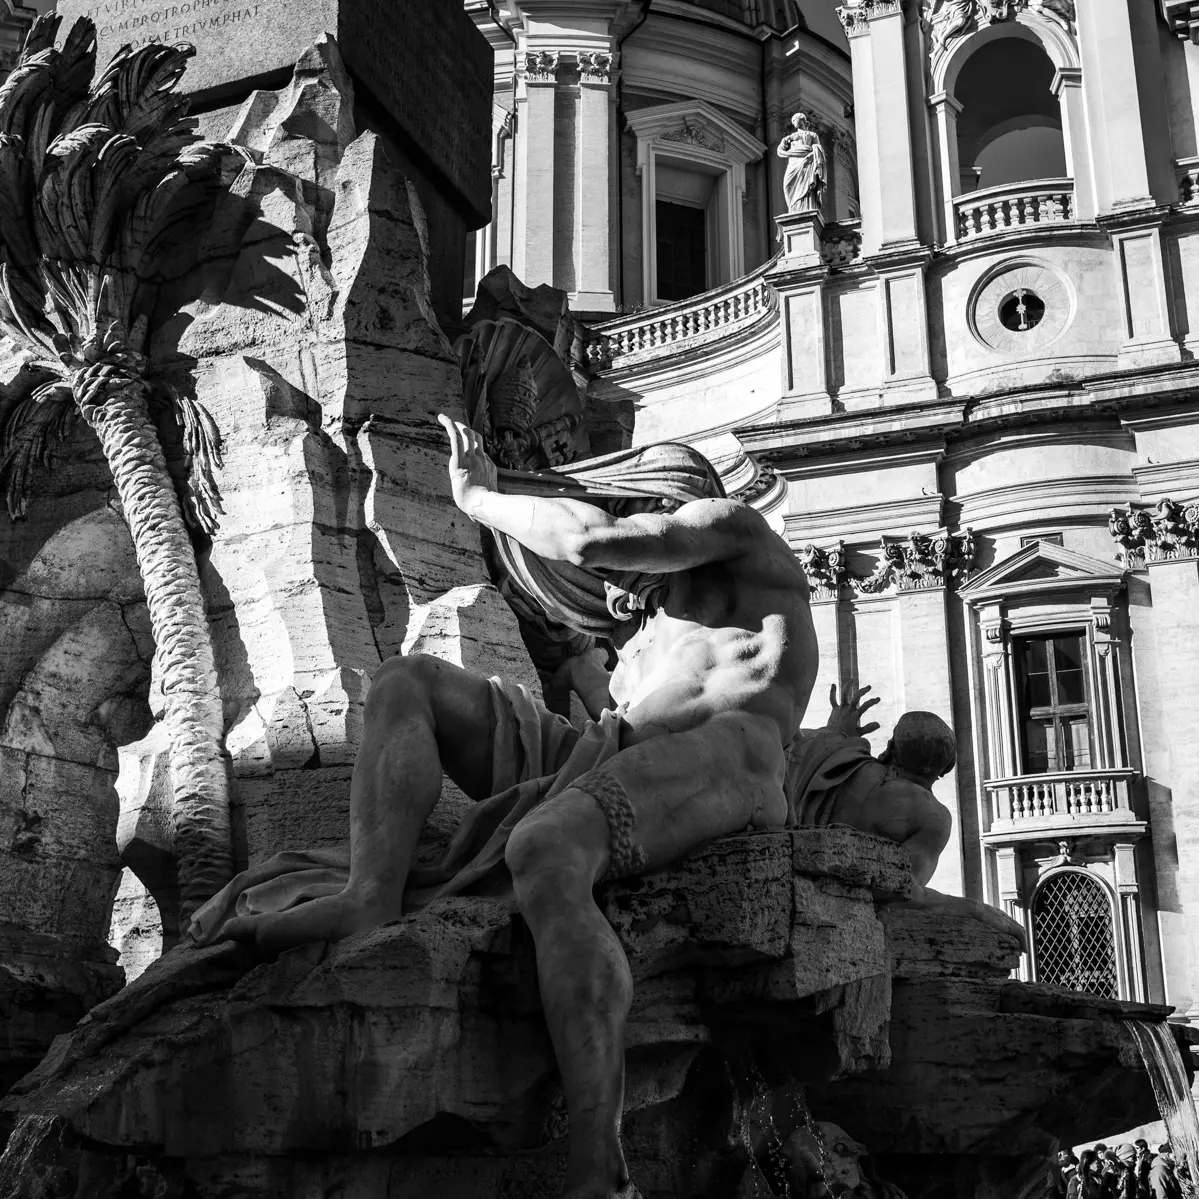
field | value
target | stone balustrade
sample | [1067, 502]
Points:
[998, 209]
[1066, 796]
[1187, 173]
[683, 326]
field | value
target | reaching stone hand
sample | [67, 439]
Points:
[708, 612]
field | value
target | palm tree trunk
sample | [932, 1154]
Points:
[194, 717]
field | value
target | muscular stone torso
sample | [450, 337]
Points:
[728, 636]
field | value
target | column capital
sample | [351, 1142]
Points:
[826, 569]
[596, 68]
[540, 66]
[856, 17]
[1168, 532]
[944, 100]
[921, 562]
[1065, 77]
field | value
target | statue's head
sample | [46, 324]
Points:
[836, 1171]
[667, 476]
[923, 745]
[799, 121]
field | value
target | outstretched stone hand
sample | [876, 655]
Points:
[472, 473]
[846, 715]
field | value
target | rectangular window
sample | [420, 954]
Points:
[1055, 716]
[682, 250]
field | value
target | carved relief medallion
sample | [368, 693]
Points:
[1021, 306]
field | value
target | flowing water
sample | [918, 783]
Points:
[1168, 1076]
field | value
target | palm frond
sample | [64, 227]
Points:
[202, 447]
[30, 433]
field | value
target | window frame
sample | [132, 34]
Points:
[1055, 712]
[692, 135]
[1115, 932]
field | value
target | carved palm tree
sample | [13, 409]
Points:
[98, 182]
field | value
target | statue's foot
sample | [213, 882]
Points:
[927, 900]
[330, 918]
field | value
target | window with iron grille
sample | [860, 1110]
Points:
[1072, 935]
[1055, 715]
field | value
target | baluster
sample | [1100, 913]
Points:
[1022, 217]
[1105, 795]
[1025, 801]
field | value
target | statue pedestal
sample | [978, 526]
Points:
[421, 75]
[802, 235]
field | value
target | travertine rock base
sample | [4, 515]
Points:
[412, 1062]
[424, 1038]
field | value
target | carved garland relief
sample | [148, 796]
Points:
[947, 21]
[917, 562]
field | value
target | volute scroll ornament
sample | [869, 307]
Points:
[826, 569]
[595, 66]
[1164, 533]
[541, 66]
[921, 561]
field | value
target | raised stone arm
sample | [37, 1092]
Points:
[586, 535]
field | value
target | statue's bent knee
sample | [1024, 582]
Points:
[625, 855]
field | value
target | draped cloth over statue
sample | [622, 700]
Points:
[536, 754]
[819, 763]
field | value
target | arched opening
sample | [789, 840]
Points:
[1010, 126]
[1073, 939]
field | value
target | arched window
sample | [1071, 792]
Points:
[1073, 943]
[1010, 126]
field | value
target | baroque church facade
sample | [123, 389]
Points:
[963, 388]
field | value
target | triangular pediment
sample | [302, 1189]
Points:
[697, 125]
[1045, 567]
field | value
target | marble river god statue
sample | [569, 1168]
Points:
[707, 610]
[804, 178]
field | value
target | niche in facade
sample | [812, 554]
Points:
[1010, 126]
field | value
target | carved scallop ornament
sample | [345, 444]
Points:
[1020, 307]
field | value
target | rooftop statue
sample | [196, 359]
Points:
[806, 168]
[707, 610]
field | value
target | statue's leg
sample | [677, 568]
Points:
[646, 807]
[422, 715]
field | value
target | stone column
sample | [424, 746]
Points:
[1175, 759]
[924, 649]
[799, 281]
[1116, 133]
[945, 111]
[1133, 969]
[593, 283]
[886, 177]
[825, 568]
[1067, 87]
[903, 318]
[533, 236]
[1148, 321]
[486, 255]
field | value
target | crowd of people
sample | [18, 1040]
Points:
[1123, 1172]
